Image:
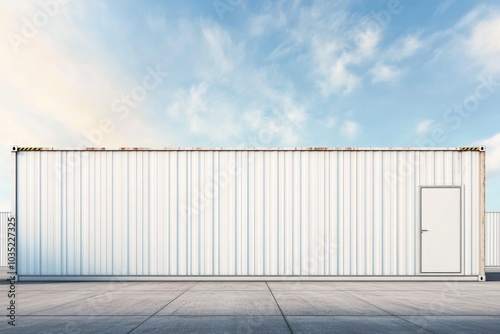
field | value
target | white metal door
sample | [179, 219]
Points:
[441, 229]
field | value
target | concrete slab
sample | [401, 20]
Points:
[214, 324]
[223, 303]
[457, 324]
[30, 302]
[73, 324]
[300, 286]
[159, 286]
[117, 303]
[446, 302]
[351, 324]
[100, 286]
[228, 286]
[323, 303]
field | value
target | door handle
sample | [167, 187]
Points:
[424, 231]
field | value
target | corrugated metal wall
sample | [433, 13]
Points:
[4, 216]
[243, 212]
[492, 235]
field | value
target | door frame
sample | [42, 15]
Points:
[460, 236]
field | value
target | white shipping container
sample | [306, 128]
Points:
[249, 214]
[492, 239]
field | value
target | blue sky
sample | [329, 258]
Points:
[250, 73]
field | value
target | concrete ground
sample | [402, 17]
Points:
[255, 307]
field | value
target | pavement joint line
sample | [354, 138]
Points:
[73, 301]
[132, 284]
[163, 315]
[279, 307]
[356, 290]
[394, 315]
[49, 290]
[170, 302]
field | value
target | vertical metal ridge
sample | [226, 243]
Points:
[4, 216]
[397, 222]
[199, 215]
[213, 212]
[300, 214]
[338, 214]
[382, 213]
[235, 213]
[278, 213]
[39, 250]
[128, 215]
[264, 212]
[492, 242]
[248, 212]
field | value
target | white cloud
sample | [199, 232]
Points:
[228, 99]
[254, 118]
[211, 114]
[337, 78]
[404, 48]
[483, 45]
[218, 43]
[383, 73]
[204, 113]
[293, 112]
[423, 127]
[333, 63]
[366, 41]
[472, 44]
[325, 36]
[492, 155]
[443, 7]
[350, 129]
[272, 18]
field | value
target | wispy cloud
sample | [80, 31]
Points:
[204, 113]
[272, 17]
[444, 6]
[350, 129]
[424, 127]
[383, 73]
[472, 44]
[334, 61]
[404, 47]
[483, 45]
[207, 109]
[218, 43]
[325, 36]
